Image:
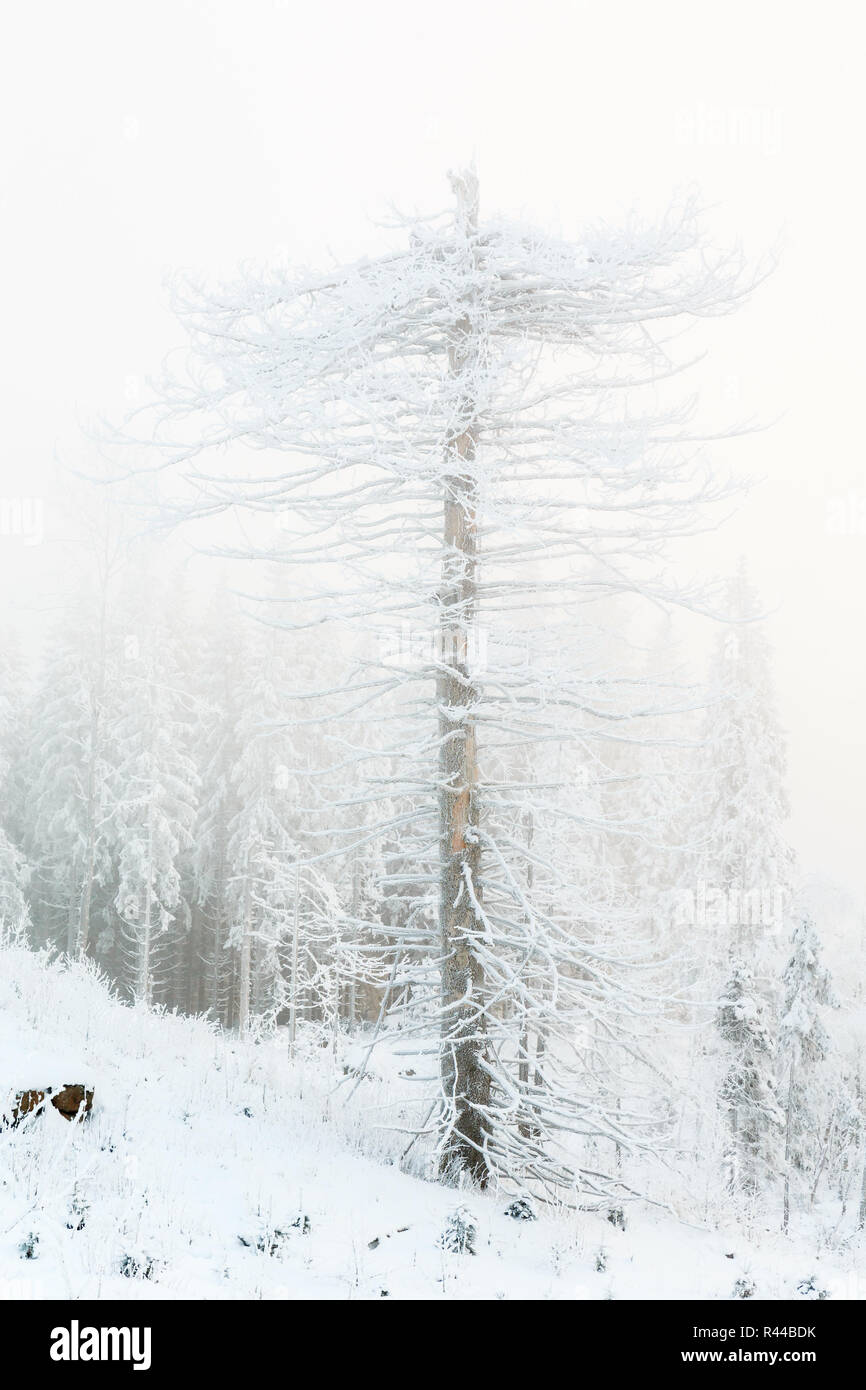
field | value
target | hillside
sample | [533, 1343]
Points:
[203, 1156]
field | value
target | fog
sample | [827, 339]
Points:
[139, 142]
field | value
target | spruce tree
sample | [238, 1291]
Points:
[803, 1045]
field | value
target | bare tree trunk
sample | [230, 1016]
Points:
[861, 1215]
[293, 996]
[524, 1125]
[352, 1001]
[245, 958]
[97, 697]
[789, 1122]
[145, 979]
[216, 960]
[464, 1077]
[218, 993]
[90, 857]
[71, 928]
[194, 964]
[735, 1148]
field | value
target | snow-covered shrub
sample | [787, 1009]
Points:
[616, 1217]
[521, 1209]
[138, 1265]
[460, 1233]
[78, 1212]
[273, 1240]
[809, 1288]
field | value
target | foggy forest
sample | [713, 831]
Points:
[399, 854]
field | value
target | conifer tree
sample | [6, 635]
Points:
[803, 1046]
[748, 1091]
[439, 420]
[155, 792]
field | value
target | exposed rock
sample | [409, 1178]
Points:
[69, 1099]
[72, 1100]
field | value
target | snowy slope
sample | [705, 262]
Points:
[201, 1149]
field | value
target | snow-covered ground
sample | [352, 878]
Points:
[203, 1156]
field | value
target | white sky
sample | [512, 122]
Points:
[143, 138]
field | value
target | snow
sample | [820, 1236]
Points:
[199, 1142]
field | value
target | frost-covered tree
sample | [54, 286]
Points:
[155, 789]
[14, 702]
[836, 1147]
[15, 924]
[469, 443]
[217, 660]
[803, 1046]
[748, 1091]
[66, 768]
[64, 771]
[745, 872]
[262, 849]
[746, 867]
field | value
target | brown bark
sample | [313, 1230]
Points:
[465, 1079]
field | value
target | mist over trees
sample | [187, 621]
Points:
[422, 771]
